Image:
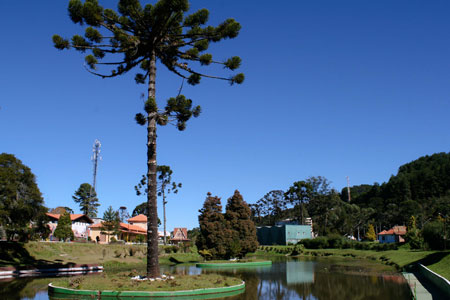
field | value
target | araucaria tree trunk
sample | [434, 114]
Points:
[152, 219]
[164, 214]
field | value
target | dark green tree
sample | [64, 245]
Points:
[272, 207]
[324, 209]
[193, 234]
[298, 195]
[142, 209]
[433, 234]
[110, 223]
[63, 230]
[21, 202]
[86, 197]
[165, 186]
[214, 234]
[140, 36]
[237, 216]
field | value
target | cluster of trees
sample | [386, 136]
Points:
[421, 189]
[22, 210]
[225, 235]
[311, 198]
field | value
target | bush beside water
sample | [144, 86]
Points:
[330, 242]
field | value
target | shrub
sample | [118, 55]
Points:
[206, 254]
[133, 250]
[413, 239]
[117, 253]
[298, 249]
[433, 234]
[140, 239]
[335, 241]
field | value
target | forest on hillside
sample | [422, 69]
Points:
[420, 188]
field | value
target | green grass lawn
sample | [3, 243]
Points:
[117, 256]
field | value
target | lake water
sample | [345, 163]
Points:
[286, 279]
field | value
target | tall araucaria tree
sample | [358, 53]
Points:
[141, 36]
[86, 197]
[164, 186]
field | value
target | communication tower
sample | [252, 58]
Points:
[95, 158]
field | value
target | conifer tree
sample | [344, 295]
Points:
[63, 230]
[111, 222]
[238, 220]
[165, 186]
[141, 36]
[86, 197]
[214, 235]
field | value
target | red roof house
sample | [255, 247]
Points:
[394, 235]
[139, 220]
[179, 236]
[127, 233]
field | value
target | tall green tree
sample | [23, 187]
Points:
[298, 195]
[165, 186]
[214, 233]
[140, 36]
[324, 209]
[110, 223]
[237, 216]
[21, 202]
[63, 230]
[272, 207]
[86, 197]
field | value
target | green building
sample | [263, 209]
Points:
[283, 234]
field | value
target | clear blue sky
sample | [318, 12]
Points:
[333, 88]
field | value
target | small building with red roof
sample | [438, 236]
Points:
[179, 236]
[139, 220]
[394, 235]
[128, 233]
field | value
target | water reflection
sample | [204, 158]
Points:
[285, 279]
[311, 279]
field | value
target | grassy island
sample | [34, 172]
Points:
[123, 282]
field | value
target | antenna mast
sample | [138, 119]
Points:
[95, 157]
[348, 189]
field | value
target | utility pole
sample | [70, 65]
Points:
[348, 189]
